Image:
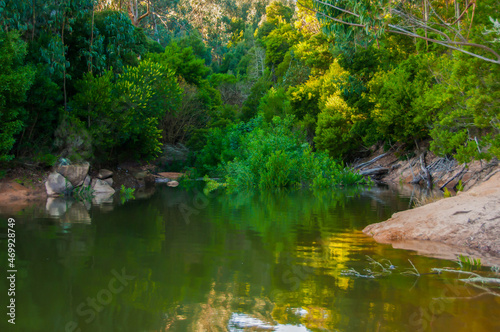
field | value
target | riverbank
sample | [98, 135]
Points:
[470, 219]
[468, 222]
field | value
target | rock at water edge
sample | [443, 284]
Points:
[74, 173]
[57, 184]
[101, 187]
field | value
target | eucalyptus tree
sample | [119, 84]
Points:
[457, 25]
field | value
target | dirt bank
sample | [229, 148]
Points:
[471, 219]
[15, 197]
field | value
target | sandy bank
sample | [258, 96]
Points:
[471, 220]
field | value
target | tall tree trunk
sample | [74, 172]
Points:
[64, 64]
[34, 21]
[91, 40]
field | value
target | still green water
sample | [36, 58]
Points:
[179, 261]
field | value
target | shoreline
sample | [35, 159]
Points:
[469, 220]
[441, 228]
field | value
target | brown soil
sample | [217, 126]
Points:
[21, 188]
[471, 219]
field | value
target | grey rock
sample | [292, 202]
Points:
[173, 184]
[57, 184]
[101, 187]
[109, 181]
[74, 173]
[104, 174]
[87, 181]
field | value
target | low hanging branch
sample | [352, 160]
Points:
[410, 21]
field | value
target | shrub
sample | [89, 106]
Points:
[274, 155]
[124, 117]
[401, 111]
[468, 97]
[15, 80]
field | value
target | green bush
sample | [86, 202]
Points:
[272, 155]
[468, 97]
[274, 103]
[15, 80]
[123, 118]
[402, 113]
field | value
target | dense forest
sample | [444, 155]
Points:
[261, 92]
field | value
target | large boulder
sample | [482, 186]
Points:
[104, 174]
[74, 173]
[101, 187]
[57, 184]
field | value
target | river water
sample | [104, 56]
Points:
[276, 261]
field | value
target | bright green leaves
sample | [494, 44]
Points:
[146, 93]
[270, 155]
[15, 80]
[183, 62]
[125, 116]
[468, 95]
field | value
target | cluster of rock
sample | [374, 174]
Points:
[68, 178]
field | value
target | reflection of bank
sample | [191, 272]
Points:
[69, 210]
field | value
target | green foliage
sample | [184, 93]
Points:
[126, 194]
[83, 193]
[468, 97]
[15, 80]
[333, 132]
[146, 93]
[184, 62]
[211, 185]
[46, 159]
[275, 103]
[402, 113]
[117, 43]
[271, 155]
[126, 115]
[278, 42]
[468, 263]
[251, 104]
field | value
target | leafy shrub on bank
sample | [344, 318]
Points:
[274, 155]
[123, 118]
[15, 80]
